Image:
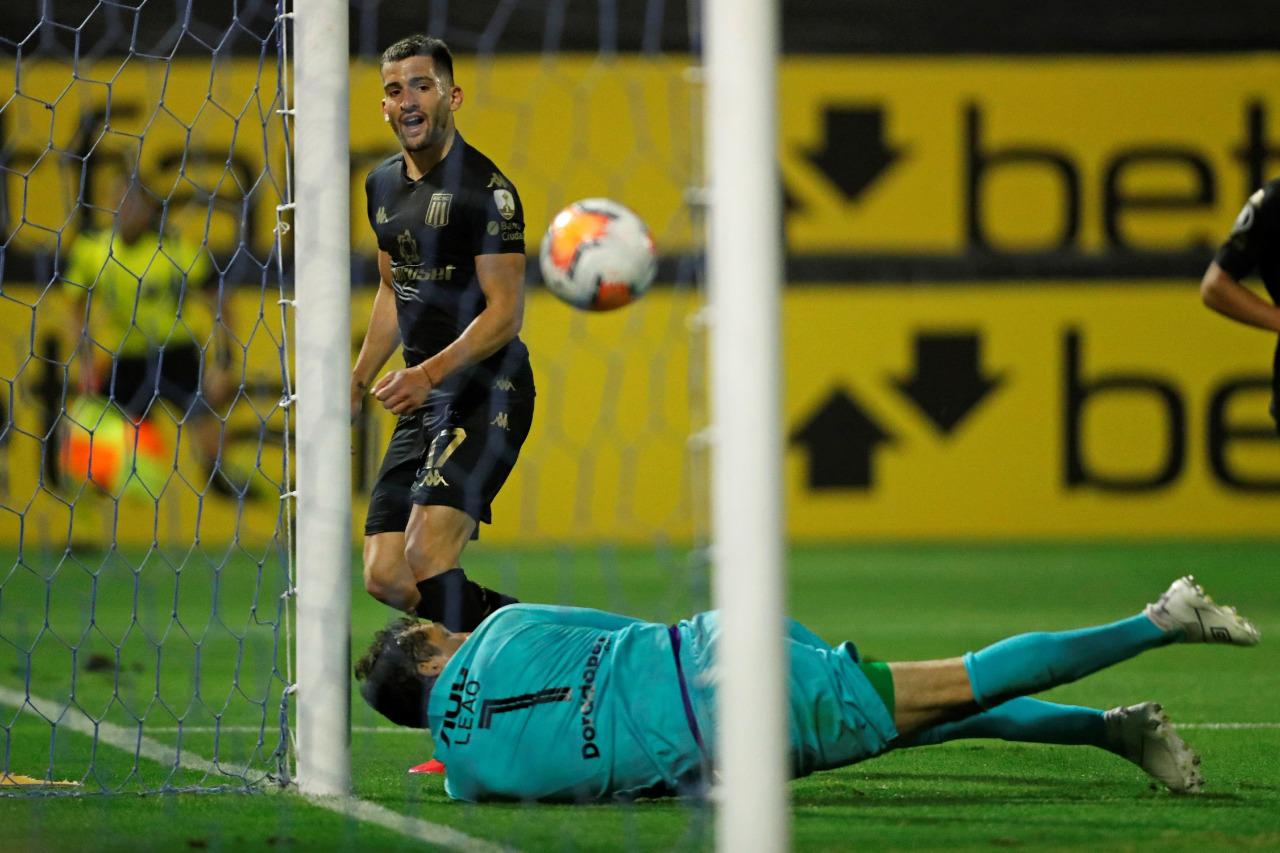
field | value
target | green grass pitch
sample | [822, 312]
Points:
[895, 601]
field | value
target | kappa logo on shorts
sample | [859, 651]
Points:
[431, 477]
[438, 210]
[442, 447]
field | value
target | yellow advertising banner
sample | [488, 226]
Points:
[901, 155]
[1024, 154]
[208, 138]
[1026, 411]
[950, 411]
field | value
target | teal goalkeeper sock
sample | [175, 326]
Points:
[1029, 663]
[1026, 720]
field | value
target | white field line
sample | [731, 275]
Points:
[205, 730]
[130, 741]
[1226, 725]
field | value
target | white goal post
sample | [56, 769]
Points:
[323, 357]
[744, 271]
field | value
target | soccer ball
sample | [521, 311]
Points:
[597, 255]
[101, 446]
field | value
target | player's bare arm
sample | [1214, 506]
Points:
[501, 278]
[381, 339]
[1221, 292]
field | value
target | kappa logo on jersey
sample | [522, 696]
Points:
[438, 209]
[381, 216]
[1245, 220]
[503, 383]
[408, 247]
[506, 203]
[496, 180]
[500, 421]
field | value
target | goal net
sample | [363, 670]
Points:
[144, 386]
[145, 590]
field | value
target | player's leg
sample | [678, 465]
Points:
[1141, 734]
[1025, 720]
[179, 386]
[932, 692]
[471, 453]
[433, 545]
[387, 576]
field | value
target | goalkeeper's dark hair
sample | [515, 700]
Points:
[422, 45]
[391, 683]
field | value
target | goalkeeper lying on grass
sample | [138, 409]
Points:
[561, 703]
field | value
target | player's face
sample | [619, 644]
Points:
[440, 637]
[418, 103]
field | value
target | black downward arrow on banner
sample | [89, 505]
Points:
[948, 382]
[854, 152]
[841, 440]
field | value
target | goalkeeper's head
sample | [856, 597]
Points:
[402, 665]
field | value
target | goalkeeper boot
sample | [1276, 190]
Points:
[1144, 735]
[429, 766]
[1186, 608]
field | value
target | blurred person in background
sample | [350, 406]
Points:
[145, 317]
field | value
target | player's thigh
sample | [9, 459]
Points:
[384, 562]
[837, 717]
[390, 499]
[930, 692]
[435, 539]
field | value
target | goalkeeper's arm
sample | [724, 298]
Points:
[381, 339]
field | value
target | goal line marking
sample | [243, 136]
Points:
[128, 740]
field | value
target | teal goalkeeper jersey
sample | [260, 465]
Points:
[561, 703]
[570, 704]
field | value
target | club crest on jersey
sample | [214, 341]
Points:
[506, 203]
[381, 216]
[408, 247]
[438, 210]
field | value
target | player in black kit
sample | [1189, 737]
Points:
[451, 260]
[1254, 244]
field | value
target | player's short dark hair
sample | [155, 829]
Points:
[422, 45]
[391, 683]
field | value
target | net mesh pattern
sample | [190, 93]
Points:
[144, 521]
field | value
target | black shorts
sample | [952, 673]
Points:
[135, 382]
[452, 452]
